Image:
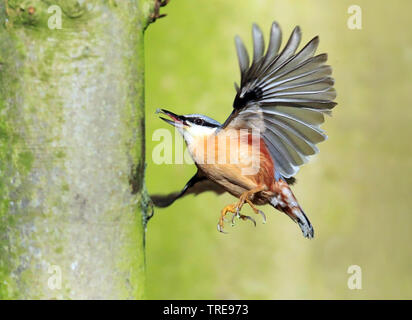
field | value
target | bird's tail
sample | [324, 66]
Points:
[286, 202]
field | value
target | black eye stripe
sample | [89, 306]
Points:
[196, 120]
[201, 122]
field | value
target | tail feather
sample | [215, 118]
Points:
[286, 202]
[303, 222]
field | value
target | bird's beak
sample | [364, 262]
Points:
[177, 121]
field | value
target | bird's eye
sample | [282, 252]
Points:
[198, 121]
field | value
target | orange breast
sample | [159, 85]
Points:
[235, 158]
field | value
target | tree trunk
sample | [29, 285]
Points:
[72, 196]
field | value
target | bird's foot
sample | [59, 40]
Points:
[236, 207]
[242, 199]
[245, 197]
[229, 208]
[238, 215]
[244, 217]
[257, 211]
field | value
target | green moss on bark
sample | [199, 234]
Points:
[72, 149]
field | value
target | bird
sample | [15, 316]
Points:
[283, 98]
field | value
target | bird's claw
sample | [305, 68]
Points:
[263, 215]
[220, 228]
[235, 215]
[243, 217]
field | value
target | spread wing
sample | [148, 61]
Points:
[285, 95]
[197, 184]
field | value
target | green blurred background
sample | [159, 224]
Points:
[356, 191]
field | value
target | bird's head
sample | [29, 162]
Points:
[191, 125]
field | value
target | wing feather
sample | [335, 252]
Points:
[274, 44]
[289, 92]
[242, 55]
[258, 44]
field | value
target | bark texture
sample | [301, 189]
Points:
[72, 197]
